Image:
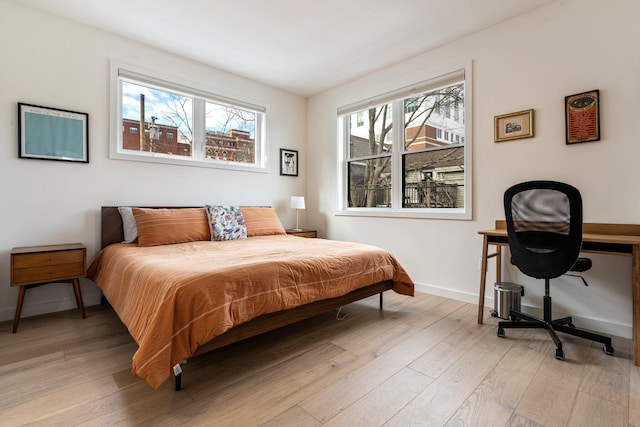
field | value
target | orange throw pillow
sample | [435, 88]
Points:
[262, 221]
[166, 226]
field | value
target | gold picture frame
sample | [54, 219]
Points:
[513, 126]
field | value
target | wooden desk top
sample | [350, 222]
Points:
[595, 228]
[614, 239]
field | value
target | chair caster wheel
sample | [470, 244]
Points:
[559, 354]
[494, 313]
[608, 349]
[500, 333]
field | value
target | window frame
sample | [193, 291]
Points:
[462, 74]
[126, 72]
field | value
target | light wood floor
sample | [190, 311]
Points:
[420, 361]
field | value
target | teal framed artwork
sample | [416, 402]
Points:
[52, 134]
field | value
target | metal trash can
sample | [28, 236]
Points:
[506, 296]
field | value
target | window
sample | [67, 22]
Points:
[183, 125]
[411, 156]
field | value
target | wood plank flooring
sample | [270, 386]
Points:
[420, 361]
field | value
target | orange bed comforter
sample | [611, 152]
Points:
[173, 298]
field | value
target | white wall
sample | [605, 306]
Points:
[58, 63]
[533, 61]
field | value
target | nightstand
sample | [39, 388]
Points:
[304, 233]
[37, 265]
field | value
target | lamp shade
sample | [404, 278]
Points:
[297, 202]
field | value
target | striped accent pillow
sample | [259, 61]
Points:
[166, 226]
[262, 221]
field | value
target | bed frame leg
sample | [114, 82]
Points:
[177, 372]
[178, 382]
[380, 300]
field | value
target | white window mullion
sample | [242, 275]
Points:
[260, 127]
[397, 150]
[199, 132]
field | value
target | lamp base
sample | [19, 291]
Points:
[296, 229]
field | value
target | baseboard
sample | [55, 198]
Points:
[602, 326]
[448, 293]
[89, 298]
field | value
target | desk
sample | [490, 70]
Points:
[609, 239]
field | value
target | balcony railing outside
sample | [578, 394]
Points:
[427, 194]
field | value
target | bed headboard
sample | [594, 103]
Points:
[111, 230]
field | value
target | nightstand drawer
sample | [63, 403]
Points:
[307, 234]
[47, 258]
[303, 233]
[48, 273]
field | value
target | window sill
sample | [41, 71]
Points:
[175, 160]
[457, 214]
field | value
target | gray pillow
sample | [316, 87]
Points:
[128, 224]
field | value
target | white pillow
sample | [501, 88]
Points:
[128, 224]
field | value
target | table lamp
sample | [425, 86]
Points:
[297, 203]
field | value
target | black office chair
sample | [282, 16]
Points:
[544, 229]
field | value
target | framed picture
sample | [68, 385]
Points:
[52, 134]
[513, 126]
[288, 162]
[582, 115]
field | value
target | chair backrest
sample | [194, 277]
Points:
[544, 227]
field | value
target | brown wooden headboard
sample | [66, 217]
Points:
[111, 230]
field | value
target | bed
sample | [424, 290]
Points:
[179, 299]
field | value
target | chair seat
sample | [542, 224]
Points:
[582, 264]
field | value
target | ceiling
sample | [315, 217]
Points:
[301, 46]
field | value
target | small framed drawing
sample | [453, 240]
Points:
[52, 134]
[513, 126]
[582, 116]
[288, 162]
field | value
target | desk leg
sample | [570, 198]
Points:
[483, 279]
[635, 274]
[498, 255]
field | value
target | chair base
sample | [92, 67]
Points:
[564, 325]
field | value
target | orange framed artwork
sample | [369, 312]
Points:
[582, 115]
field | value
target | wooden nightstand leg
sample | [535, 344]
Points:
[16, 319]
[76, 290]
